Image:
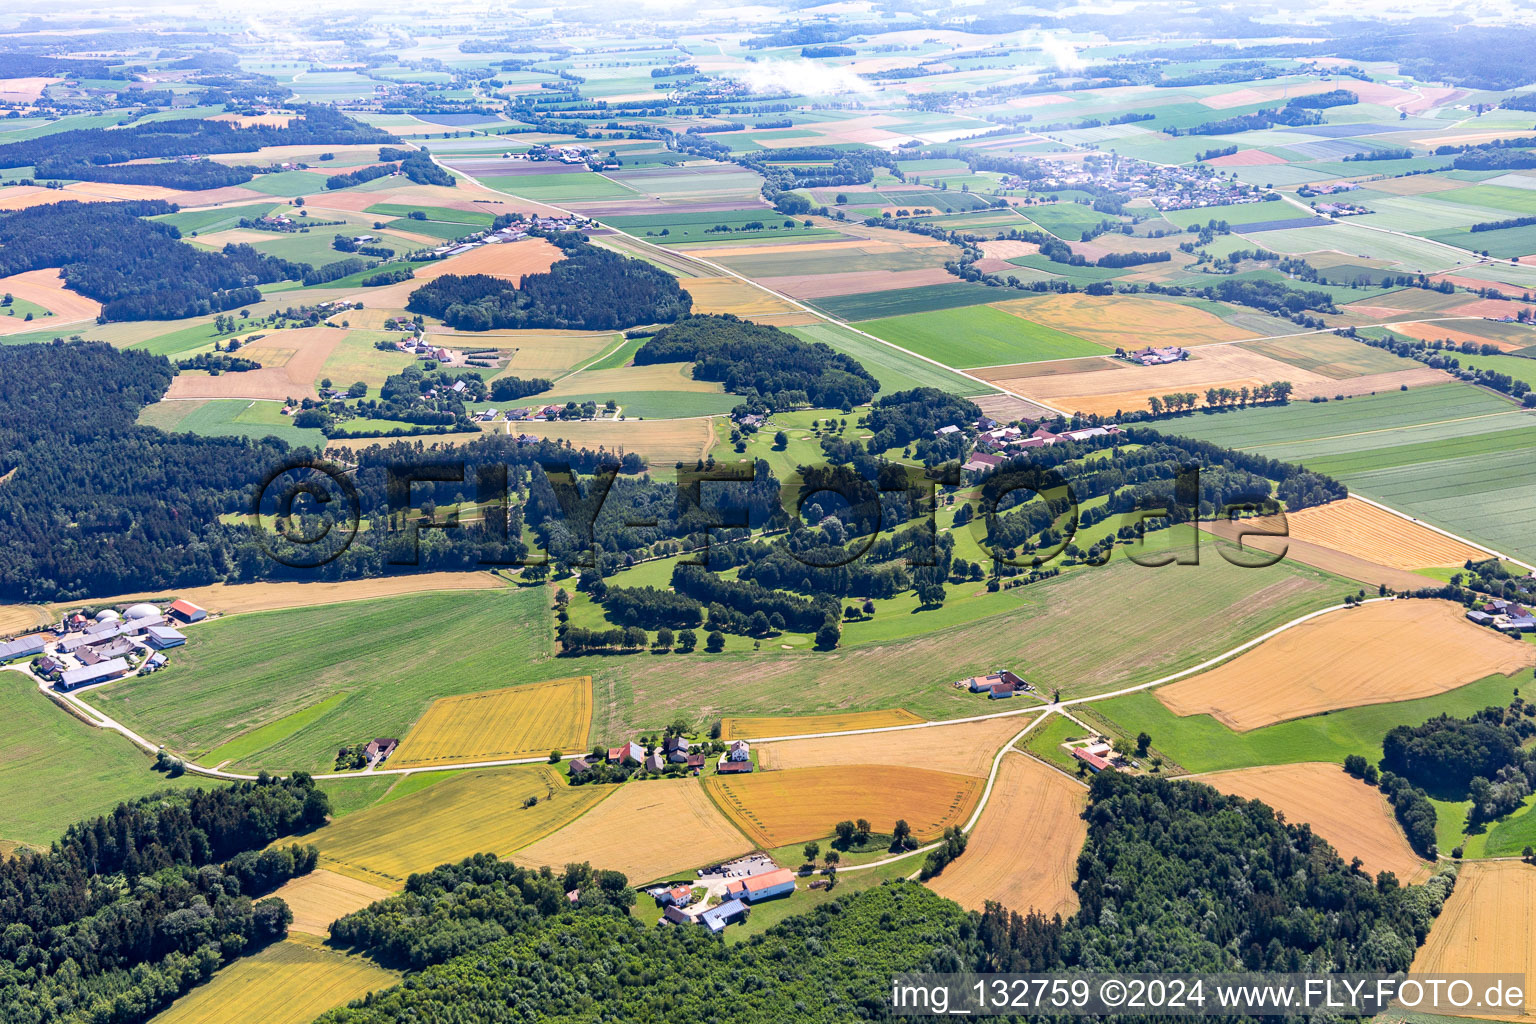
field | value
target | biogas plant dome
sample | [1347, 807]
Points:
[107, 615]
[141, 611]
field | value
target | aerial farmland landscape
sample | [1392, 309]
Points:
[796, 512]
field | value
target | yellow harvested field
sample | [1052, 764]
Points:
[804, 725]
[480, 812]
[1127, 386]
[21, 197]
[23, 90]
[730, 295]
[1023, 851]
[19, 618]
[1008, 248]
[1486, 926]
[663, 442]
[967, 748]
[289, 982]
[1125, 321]
[779, 808]
[1351, 567]
[1371, 384]
[500, 725]
[1378, 653]
[226, 599]
[537, 353]
[291, 363]
[322, 896]
[46, 288]
[650, 377]
[509, 260]
[1355, 818]
[107, 190]
[682, 829]
[1365, 531]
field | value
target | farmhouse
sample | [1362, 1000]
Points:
[765, 886]
[980, 462]
[186, 611]
[946, 431]
[696, 762]
[677, 896]
[740, 751]
[630, 751]
[716, 918]
[381, 748]
[733, 767]
[161, 637]
[1095, 762]
[580, 766]
[999, 691]
[92, 673]
[676, 748]
[95, 654]
[985, 684]
[654, 763]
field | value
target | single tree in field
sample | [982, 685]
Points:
[812, 850]
[715, 642]
[833, 857]
[862, 829]
[664, 637]
[1143, 743]
[845, 831]
[902, 832]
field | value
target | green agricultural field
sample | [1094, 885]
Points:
[1066, 220]
[894, 369]
[228, 417]
[391, 657]
[1347, 466]
[1077, 275]
[1274, 431]
[1502, 243]
[1199, 743]
[898, 301]
[476, 218]
[288, 183]
[448, 231]
[976, 336]
[55, 770]
[218, 218]
[618, 357]
[559, 188]
[680, 227]
[1240, 213]
[357, 357]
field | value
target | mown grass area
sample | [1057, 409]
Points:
[557, 188]
[389, 657]
[55, 770]
[229, 417]
[1199, 743]
[216, 219]
[978, 336]
[1044, 741]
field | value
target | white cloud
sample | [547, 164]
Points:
[799, 76]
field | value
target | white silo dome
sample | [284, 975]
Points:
[141, 611]
[107, 615]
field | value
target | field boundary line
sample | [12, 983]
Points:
[1444, 533]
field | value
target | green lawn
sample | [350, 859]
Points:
[979, 336]
[899, 301]
[390, 657]
[56, 770]
[1066, 220]
[556, 188]
[475, 218]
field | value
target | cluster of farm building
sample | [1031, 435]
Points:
[1505, 616]
[82, 650]
[724, 893]
[676, 753]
